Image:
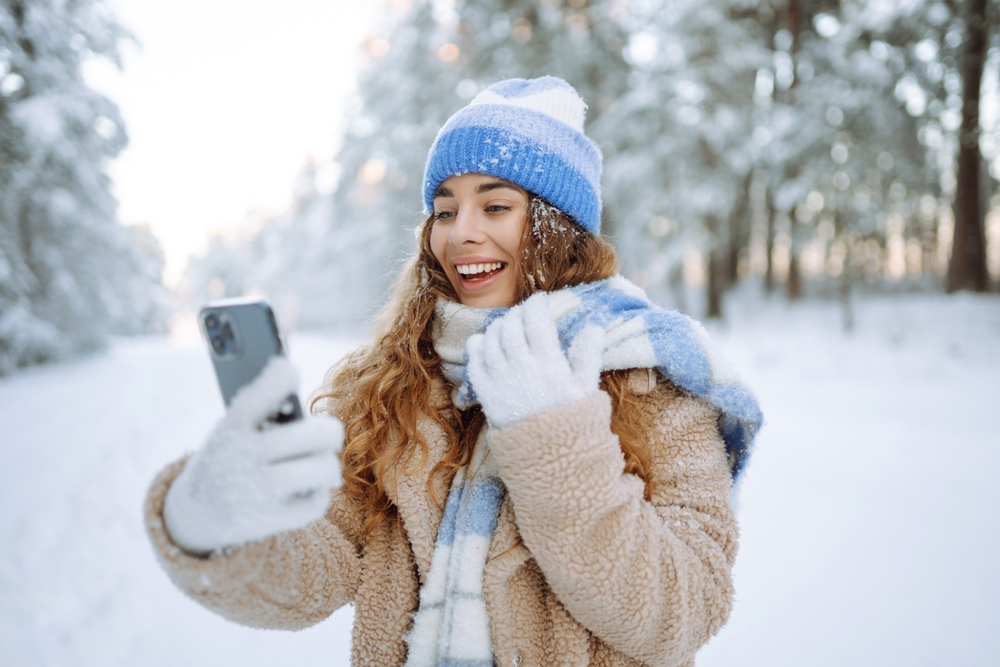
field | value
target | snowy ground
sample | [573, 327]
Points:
[868, 512]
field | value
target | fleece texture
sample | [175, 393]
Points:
[528, 132]
[581, 569]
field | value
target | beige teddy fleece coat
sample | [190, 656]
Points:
[582, 569]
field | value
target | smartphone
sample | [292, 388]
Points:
[242, 336]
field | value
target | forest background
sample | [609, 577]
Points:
[807, 148]
[816, 179]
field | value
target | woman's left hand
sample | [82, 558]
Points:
[518, 369]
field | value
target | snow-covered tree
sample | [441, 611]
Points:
[681, 155]
[943, 46]
[842, 152]
[69, 273]
[696, 105]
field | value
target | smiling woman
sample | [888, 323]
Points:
[535, 456]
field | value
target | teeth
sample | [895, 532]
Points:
[472, 269]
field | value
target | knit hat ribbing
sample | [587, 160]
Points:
[528, 132]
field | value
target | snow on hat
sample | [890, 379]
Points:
[529, 132]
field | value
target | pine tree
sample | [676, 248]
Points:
[942, 48]
[967, 269]
[69, 273]
[835, 140]
[682, 154]
[695, 105]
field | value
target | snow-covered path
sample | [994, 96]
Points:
[79, 585]
[868, 513]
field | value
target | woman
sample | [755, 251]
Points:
[537, 464]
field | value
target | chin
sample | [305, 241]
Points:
[487, 300]
[496, 296]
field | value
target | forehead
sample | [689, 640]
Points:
[474, 183]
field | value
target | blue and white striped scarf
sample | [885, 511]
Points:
[451, 626]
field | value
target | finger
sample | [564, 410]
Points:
[292, 513]
[474, 349]
[540, 329]
[493, 353]
[319, 435]
[585, 355]
[513, 341]
[299, 478]
[262, 396]
[300, 512]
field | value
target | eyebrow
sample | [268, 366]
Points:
[442, 191]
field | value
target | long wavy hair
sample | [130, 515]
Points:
[382, 389]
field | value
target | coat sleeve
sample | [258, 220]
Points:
[288, 581]
[651, 579]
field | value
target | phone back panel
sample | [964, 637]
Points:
[251, 338]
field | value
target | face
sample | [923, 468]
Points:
[476, 236]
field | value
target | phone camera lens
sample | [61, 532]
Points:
[227, 331]
[217, 344]
[211, 322]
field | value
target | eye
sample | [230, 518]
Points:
[443, 215]
[497, 208]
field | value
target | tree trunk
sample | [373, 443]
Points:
[967, 268]
[769, 269]
[794, 283]
[716, 282]
[844, 290]
[739, 232]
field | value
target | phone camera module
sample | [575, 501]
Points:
[220, 331]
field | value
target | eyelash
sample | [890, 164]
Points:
[494, 208]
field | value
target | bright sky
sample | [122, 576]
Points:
[224, 100]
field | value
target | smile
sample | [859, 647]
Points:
[479, 271]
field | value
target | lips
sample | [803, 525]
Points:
[477, 275]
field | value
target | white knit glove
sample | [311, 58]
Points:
[247, 483]
[518, 369]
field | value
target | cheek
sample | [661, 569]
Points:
[438, 243]
[513, 238]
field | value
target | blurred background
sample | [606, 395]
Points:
[816, 179]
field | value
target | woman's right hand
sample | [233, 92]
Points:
[249, 482]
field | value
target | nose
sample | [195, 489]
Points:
[468, 227]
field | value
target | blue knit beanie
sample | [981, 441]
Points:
[528, 132]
